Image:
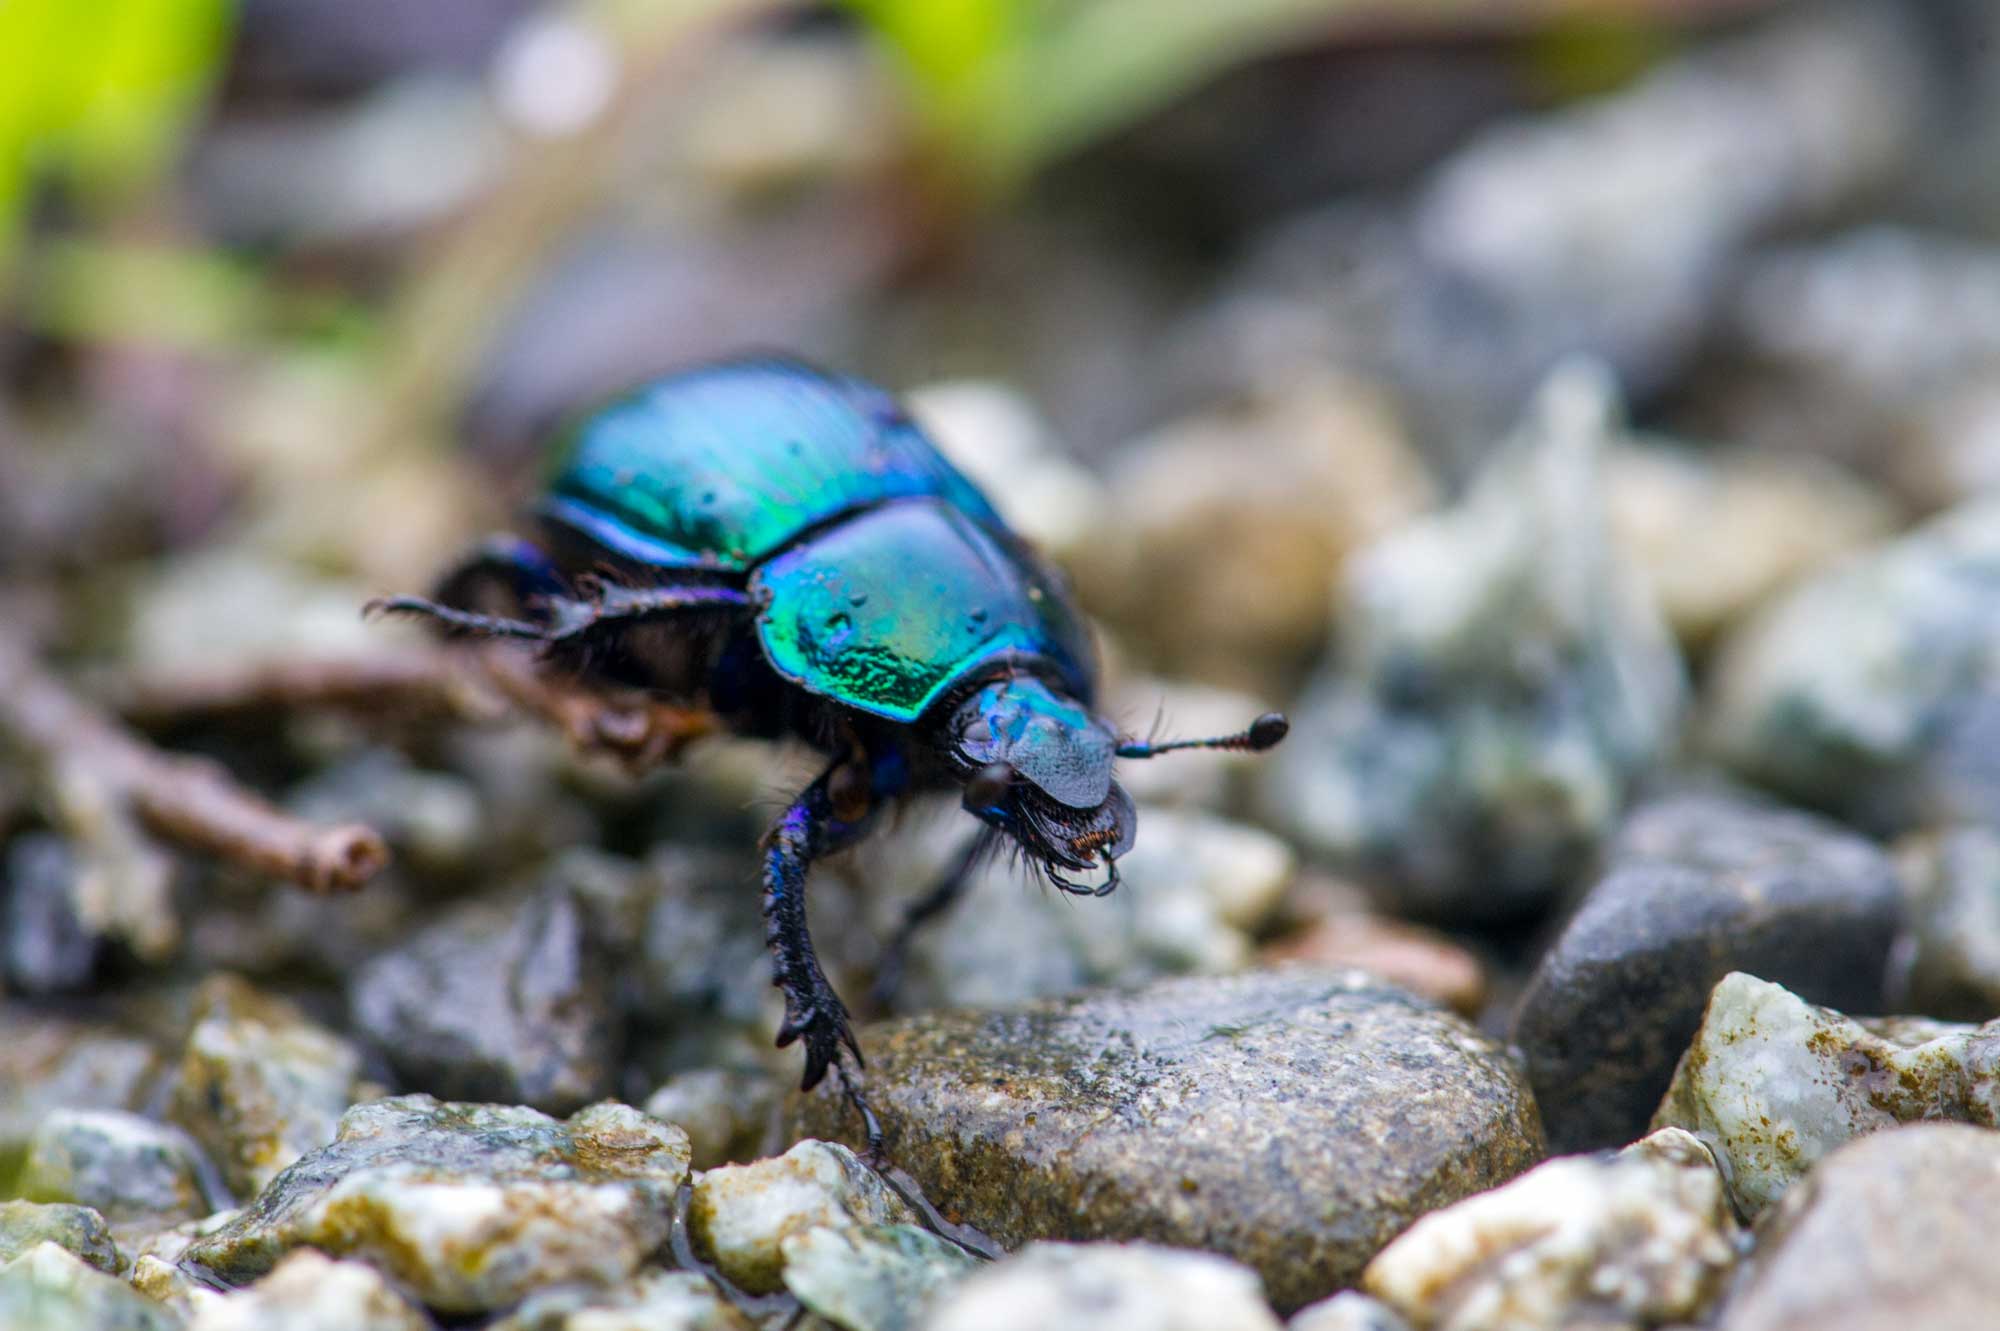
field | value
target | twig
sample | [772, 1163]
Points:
[101, 774]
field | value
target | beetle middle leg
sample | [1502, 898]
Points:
[816, 825]
[939, 899]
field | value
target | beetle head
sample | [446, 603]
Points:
[1038, 768]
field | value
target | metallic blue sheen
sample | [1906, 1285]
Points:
[718, 468]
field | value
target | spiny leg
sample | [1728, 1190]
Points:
[948, 888]
[571, 620]
[809, 830]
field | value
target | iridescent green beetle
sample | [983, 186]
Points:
[785, 549]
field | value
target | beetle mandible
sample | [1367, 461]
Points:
[785, 549]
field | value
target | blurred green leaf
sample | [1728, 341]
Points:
[98, 92]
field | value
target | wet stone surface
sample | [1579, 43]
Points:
[1081, 1287]
[501, 1001]
[873, 1277]
[1890, 1232]
[1620, 1242]
[1696, 885]
[309, 1291]
[138, 1174]
[1773, 1084]
[49, 1063]
[1293, 1119]
[1502, 681]
[471, 1207]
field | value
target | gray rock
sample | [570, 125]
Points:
[1696, 885]
[1293, 1119]
[1347, 1311]
[740, 1215]
[1196, 889]
[137, 1173]
[655, 1301]
[1947, 962]
[1900, 726]
[470, 1206]
[1501, 683]
[310, 1291]
[1086, 1286]
[78, 1229]
[49, 1063]
[872, 1277]
[45, 947]
[501, 1001]
[1773, 1084]
[48, 1286]
[1622, 1243]
[726, 1112]
[1890, 1232]
[260, 1085]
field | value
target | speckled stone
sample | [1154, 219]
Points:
[1889, 1233]
[49, 1062]
[1947, 962]
[137, 1173]
[1696, 885]
[260, 1085]
[48, 1287]
[79, 1229]
[508, 1002]
[1088, 1286]
[1616, 1243]
[1502, 683]
[1294, 1119]
[1873, 690]
[872, 1277]
[726, 1112]
[310, 1291]
[1773, 1084]
[740, 1215]
[470, 1206]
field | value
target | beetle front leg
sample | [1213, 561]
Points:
[814, 1014]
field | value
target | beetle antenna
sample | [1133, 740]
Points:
[1261, 734]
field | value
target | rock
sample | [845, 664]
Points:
[1715, 533]
[260, 1085]
[1772, 1084]
[469, 1206]
[1406, 955]
[872, 1277]
[434, 820]
[1347, 1311]
[47, 1286]
[1501, 684]
[998, 438]
[1948, 959]
[309, 1291]
[1295, 1120]
[726, 1112]
[49, 1063]
[1085, 1286]
[137, 1173]
[1891, 1231]
[740, 1215]
[500, 1001]
[167, 1284]
[77, 1229]
[655, 1301]
[1195, 888]
[1897, 728]
[1217, 543]
[1623, 1243]
[1697, 884]
[45, 946]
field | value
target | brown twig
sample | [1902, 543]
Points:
[101, 774]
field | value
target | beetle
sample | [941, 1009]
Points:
[785, 549]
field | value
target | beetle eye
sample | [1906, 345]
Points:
[988, 787]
